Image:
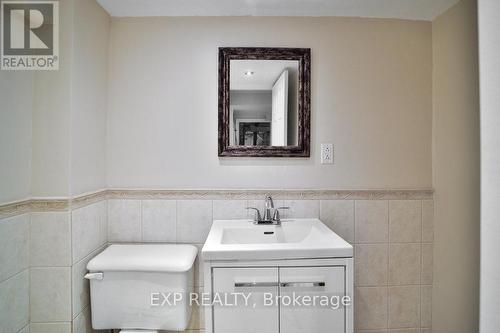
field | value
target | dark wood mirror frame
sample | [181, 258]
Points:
[226, 54]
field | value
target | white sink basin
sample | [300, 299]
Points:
[253, 235]
[293, 239]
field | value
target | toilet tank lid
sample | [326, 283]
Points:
[145, 258]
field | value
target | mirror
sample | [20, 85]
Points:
[264, 102]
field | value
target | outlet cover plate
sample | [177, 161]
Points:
[326, 153]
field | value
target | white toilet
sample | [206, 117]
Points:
[136, 288]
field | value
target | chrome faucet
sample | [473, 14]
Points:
[269, 217]
[267, 210]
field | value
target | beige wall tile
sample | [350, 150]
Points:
[404, 264]
[301, 208]
[404, 307]
[230, 209]
[370, 264]
[50, 294]
[405, 220]
[198, 268]
[159, 220]
[14, 303]
[197, 320]
[50, 239]
[80, 285]
[426, 306]
[85, 229]
[370, 308]
[103, 221]
[194, 219]
[338, 215]
[124, 220]
[427, 263]
[25, 329]
[371, 221]
[427, 220]
[82, 323]
[64, 327]
[14, 249]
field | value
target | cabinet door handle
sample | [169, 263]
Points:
[255, 284]
[302, 284]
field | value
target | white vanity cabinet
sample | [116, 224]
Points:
[312, 281]
[287, 270]
[280, 281]
[258, 281]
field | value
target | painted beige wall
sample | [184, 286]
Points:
[69, 118]
[456, 170]
[371, 97]
[51, 115]
[489, 57]
[89, 97]
[16, 96]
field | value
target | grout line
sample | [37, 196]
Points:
[176, 221]
[393, 243]
[29, 270]
[421, 221]
[392, 285]
[52, 322]
[24, 327]
[354, 222]
[388, 306]
[16, 274]
[421, 261]
[140, 220]
[71, 305]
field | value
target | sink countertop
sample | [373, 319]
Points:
[305, 238]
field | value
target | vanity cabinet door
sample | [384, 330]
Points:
[319, 282]
[245, 318]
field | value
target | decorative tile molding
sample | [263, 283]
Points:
[49, 205]
[88, 199]
[15, 208]
[285, 194]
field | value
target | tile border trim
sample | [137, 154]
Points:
[49, 205]
[285, 194]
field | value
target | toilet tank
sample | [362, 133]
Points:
[142, 286]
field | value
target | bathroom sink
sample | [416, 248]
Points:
[254, 235]
[293, 239]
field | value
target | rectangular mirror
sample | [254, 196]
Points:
[264, 103]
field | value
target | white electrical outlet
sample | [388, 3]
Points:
[326, 153]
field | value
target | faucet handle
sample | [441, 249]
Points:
[257, 216]
[276, 215]
[269, 202]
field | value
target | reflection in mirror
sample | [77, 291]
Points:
[263, 103]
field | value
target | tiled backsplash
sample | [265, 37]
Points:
[392, 235]
[44, 255]
[392, 244]
[14, 273]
